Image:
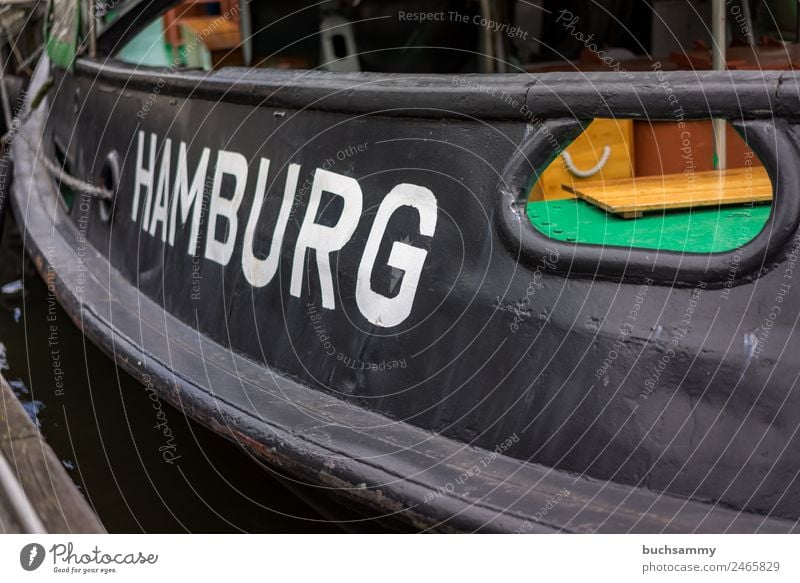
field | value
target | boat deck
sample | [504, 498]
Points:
[699, 230]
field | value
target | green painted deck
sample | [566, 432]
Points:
[702, 230]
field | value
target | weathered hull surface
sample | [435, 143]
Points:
[390, 324]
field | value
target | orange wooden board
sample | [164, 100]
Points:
[586, 152]
[630, 198]
[215, 32]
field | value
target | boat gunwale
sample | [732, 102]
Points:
[523, 97]
[514, 505]
[556, 108]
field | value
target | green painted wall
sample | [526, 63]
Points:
[149, 47]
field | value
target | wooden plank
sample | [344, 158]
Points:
[59, 505]
[630, 198]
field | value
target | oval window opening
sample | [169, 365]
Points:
[653, 185]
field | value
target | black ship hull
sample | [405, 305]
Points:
[336, 272]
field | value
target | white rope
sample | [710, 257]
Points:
[58, 172]
[15, 127]
[568, 162]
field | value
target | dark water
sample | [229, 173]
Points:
[103, 426]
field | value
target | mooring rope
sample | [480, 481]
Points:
[570, 164]
[15, 126]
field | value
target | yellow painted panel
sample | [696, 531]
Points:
[586, 153]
